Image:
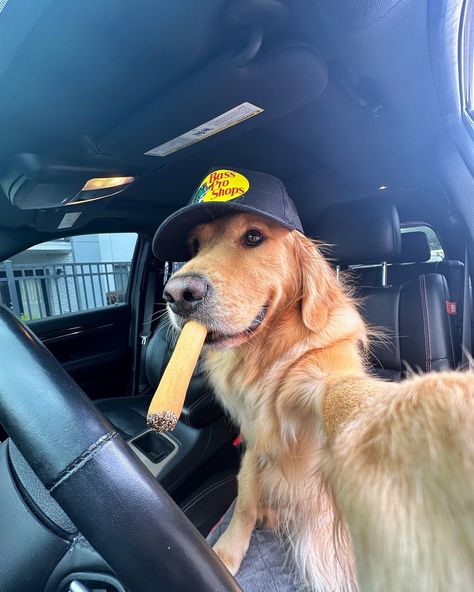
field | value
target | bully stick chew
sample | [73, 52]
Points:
[167, 404]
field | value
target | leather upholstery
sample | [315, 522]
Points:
[34, 389]
[211, 499]
[362, 232]
[428, 344]
[380, 306]
[415, 248]
[414, 324]
[20, 569]
[411, 314]
[399, 273]
[453, 272]
[89, 470]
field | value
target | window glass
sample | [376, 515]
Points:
[68, 275]
[467, 59]
[437, 253]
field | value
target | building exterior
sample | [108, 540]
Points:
[68, 275]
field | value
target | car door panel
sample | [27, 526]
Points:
[93, 347]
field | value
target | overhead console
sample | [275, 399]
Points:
[34, 182]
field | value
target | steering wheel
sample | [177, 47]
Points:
[89, 470]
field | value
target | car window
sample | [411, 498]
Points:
[68, 275]
[437, 253]
[467, 61]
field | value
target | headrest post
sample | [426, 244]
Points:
[338, 272]
[384, 273]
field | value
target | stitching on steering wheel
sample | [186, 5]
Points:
[82, 459]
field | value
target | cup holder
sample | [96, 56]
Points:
[154, 450]
[155, 447]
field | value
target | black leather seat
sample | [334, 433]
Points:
[414, 261]
[205, 505]
[417, 333]
[411, 315]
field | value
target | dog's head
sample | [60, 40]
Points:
[245, 273]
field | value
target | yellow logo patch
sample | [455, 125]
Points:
[221, 185]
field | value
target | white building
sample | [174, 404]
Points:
[68, 275]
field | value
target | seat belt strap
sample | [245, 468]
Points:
[466, 341]
[148, 310]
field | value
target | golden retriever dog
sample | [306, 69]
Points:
[370, 482]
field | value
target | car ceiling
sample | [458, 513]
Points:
[102, 82]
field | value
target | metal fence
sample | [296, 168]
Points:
[42, 291]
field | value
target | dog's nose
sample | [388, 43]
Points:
[184, 293]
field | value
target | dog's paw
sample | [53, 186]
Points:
[229, 557]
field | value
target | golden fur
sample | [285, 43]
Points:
[321, 435]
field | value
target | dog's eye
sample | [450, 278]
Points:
[253, 237]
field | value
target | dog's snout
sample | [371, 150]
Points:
[184, 293]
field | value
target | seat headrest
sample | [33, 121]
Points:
[415, 248]
[361, 232]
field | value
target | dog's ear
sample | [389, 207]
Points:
[320, 292]
[326, 308]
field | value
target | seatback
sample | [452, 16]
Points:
[412, 316]
[200, 407]
[416, 331]
[414, 261]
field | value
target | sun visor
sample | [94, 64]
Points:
[219, 100]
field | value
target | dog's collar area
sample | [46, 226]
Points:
[216, 337]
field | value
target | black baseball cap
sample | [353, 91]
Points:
[222, 192]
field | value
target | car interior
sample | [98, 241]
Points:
[111, 113]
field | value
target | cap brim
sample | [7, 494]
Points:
[170, 240]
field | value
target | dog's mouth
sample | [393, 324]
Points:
[225, 338]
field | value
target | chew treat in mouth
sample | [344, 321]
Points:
[167, 404]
